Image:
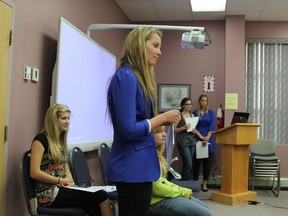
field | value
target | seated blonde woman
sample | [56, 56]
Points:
[169, 199]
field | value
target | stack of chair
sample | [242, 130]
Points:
[264, 163]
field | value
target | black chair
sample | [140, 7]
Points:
[81, 173]
[175, 177]
[30, 196]
[103, 153]
[79, 168]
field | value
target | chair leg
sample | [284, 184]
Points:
[276, 183]
[279, 182]
[250, 181]
[253, 176]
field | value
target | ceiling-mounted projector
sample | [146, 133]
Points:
[193, 39]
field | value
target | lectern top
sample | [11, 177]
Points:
[237, 134]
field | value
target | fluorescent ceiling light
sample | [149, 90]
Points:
[208, 5]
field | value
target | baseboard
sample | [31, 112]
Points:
[259, 182]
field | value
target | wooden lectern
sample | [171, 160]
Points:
[235, 140]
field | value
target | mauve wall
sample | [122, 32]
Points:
[188, 66]
[35, 44]
[224, 58]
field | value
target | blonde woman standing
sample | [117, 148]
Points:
[205, 126]
[132, 103]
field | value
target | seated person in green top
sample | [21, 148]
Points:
[169, 199]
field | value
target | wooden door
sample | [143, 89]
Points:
[5, 29]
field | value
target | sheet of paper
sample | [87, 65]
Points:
[231, 101]
[110, 188]
[193, 121]
[170, 144]
[201, 150]
[94, 188]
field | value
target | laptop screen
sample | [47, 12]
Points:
[240, 117]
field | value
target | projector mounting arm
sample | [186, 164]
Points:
[195, 38]
[93, 27]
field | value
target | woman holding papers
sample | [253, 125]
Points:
[185, 138]
[205, 126]
[132, 104]
[49, 167]
[169, 199]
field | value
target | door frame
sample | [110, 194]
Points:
[5, 159]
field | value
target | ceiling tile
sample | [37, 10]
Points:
[172, 5]
[275, 16]
[276, 5]
[175, 16]
[208, 15]
[140, 17]
[136, 6]
[168, 10]
[244, 5]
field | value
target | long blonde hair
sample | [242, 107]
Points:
[56, 139]
[160, 153]
[134, 52]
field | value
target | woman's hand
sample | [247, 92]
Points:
[66, 182]
[166, 118]
[206, 138]
[204, 143]
[171, 116]
[190, 196]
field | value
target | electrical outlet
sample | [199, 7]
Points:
[27, 73]
[35, 74]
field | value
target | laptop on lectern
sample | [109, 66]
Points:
[240, 117]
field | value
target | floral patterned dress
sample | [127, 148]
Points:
[46, 192]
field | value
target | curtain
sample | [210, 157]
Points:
[267, 88]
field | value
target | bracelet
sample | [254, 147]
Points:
[59, 180]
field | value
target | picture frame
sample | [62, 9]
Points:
[170, 95]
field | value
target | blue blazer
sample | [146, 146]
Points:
[133, 156]
[206, 123]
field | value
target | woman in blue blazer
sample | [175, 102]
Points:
[132, 103]
[205, 127]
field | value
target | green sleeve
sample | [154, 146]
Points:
[166, 189]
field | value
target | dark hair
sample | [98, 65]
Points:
[183, 101]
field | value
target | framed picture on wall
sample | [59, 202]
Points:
[170, 95]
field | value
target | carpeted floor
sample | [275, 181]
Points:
[269, 205]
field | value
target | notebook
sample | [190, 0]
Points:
[240, 117]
